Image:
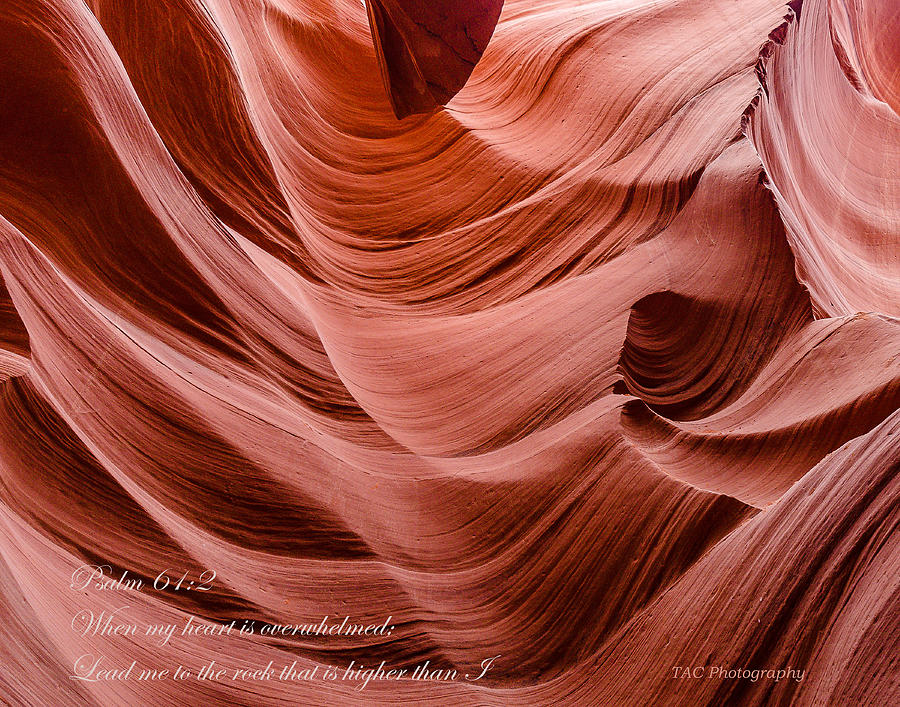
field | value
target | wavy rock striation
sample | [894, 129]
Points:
[427, 50]
[827, 129]
[560, 373]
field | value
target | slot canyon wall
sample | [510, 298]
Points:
[562, 336]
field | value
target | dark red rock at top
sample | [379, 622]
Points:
[428, 49]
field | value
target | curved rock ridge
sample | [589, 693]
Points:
[427, 49]
[558, 369]
[827, 129]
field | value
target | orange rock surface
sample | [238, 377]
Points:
[574, 345]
